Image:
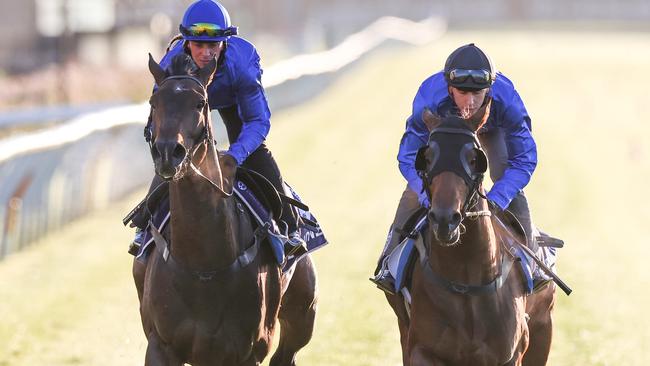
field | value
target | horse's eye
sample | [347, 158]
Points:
[152, 105]
[200, 105]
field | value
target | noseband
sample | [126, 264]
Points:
[206, 137]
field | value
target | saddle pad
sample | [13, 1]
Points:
[310, 230]
[401, 260]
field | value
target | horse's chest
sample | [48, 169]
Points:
[464, 334]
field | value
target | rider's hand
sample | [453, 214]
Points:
[423, 198]
[227, 160]
[494, 207]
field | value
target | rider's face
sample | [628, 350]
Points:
[203, 52]
[468, 102]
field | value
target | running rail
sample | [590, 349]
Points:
[52, 176]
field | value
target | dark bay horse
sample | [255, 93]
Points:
[211, 294]
[468, 303]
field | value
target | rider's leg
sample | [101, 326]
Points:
[493, 142]
[141, 218]
[408, 204]
[261, 161]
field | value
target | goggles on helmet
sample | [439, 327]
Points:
[207, 29]
[480, 77]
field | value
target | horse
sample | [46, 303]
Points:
[212, 294]
[467, 306]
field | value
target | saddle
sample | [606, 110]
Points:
[263, 204]
[509, 233]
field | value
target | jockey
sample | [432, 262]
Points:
[236, 92]
[467, 82]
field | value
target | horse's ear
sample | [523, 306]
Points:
[480, 117]
[430, 119]
[157, 71]
[206, 72]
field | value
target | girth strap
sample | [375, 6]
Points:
[461, 288]
[240, 262]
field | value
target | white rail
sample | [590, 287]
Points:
[49, 177]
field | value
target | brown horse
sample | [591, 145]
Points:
[468, 303]
[213, 293]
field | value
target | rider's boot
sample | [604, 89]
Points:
[408, 205]
[295, 244]
[519, 207]
[142, 216]
[383, 278]
[134, 247]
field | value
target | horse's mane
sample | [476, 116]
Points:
[182, 64]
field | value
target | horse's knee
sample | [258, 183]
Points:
[158, 354]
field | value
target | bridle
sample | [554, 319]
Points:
[473, 178]
[206, 137]
[248, 255]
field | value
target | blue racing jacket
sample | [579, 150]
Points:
[507, 113]
[238, 81]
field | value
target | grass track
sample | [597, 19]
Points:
[69, 300]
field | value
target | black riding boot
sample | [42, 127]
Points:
[407, 206]
[519, 208]
[140, 220]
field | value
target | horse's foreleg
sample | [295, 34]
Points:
[540, 327]
[297, 314]
[159, 354]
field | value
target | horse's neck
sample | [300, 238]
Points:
[203, 221]
[473, 260]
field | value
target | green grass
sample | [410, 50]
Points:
[69, 300]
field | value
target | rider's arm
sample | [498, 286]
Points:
[522, 151]
[253, 110]
[431, 92]
[414, 138]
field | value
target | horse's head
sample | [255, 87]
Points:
[452, 167]
[180, 122]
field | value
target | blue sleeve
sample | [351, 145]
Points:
[522, 152]
[417, 133]
[253, 109]
[414, 138]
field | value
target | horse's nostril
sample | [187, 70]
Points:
[179, 152]
[432, 216]
[456, 218]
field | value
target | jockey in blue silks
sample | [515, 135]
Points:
[235, 91]
[467, 82]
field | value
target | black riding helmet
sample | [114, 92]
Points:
[469, 68]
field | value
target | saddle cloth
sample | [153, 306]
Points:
[310, 230]
[401, 261]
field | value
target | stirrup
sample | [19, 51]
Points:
[295, 245]
[540, 283]
[134, 248]
[384, 283]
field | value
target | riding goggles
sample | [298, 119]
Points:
[207, 29]
[480, 77]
